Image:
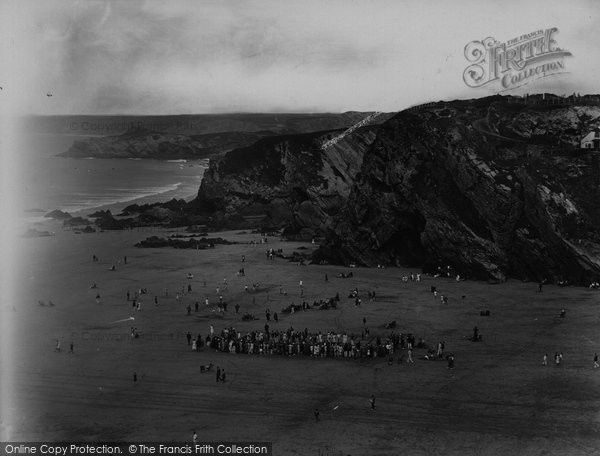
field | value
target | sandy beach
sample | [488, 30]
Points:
[499, 399]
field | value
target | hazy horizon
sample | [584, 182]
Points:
[234, 113]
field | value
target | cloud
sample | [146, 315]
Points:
[211, 56]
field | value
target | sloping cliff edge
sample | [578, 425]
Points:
[494, 188]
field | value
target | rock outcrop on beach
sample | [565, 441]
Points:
[58, 215]
[190, 242]
[494, 188]
[286, 182]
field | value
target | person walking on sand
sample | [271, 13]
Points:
[135, 377]
[194, 437]
[596, 361]
[372, 402]
[212, 331]
[218, 374]
[316, 415]
[57, 348]
[71, 347]
[409, 353]
[223, 375]
[545, 360]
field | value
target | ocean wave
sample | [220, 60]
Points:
[176, 161]
[95, 202]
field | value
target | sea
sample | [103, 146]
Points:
[46, 181]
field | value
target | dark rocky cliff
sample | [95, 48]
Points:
[492, 188]
[284, 181]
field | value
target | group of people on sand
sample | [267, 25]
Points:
[330, 344]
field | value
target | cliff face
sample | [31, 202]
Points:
[142, 144]
[284, 181]
[182, 137]
[491, 188]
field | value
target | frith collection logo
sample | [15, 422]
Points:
[515, 62]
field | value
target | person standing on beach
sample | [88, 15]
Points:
[372, 402]
[71, 347]
[189, 338]
[316, 415]
[409, 353]
[451, 361]
[596, 361]
[218, 374]
[545, 360]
